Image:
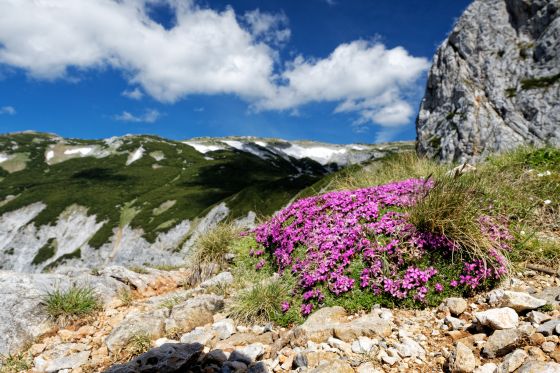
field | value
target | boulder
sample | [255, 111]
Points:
[539, 367]
[410, 348]
[68, 362]
[519, 301]
[198, 335]
[150, 323]
[498, 318]
[551, 295]
[319, 327]
[538, 317]
[513, 361]
[368, 326]
[224, 328]
[223, 278]
[462, 360]
[194, 312]
[456, 305]
[548, 328]
[501, 342]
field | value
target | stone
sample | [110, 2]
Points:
[538, 317]
[498, 318]
[385, 357]
[243, 339]
[462, 360]
[537, 339]
[367, 368]
[548, 328]
[341, 345]
[194, 312]
[518, 301]
[319, 326]
[410, 348]
[539, 367]
[548, 347]
[248, 353]
[136, 323]
[198, 335]
[337, 366]
[172, 357]
[368, 326]
[513, 361]
[486, 368]
[363, 345]
[550, 294]
[501, 342]
[456, 305]
[224, 328]
[161, 341]
[536, 353]
[223, 278]
[67, 362]
[555, 355]
[488, 89]
[454, 323]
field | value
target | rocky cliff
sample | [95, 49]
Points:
[495, 82]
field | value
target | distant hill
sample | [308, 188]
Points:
[144, 199]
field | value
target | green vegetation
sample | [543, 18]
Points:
[137, 345]
[125, 296]
[542, 82]
[15, 363]
[511, 92]
[76, 254]
[75, 301]
[140, 195]
[46, 252]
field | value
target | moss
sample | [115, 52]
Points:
[46, 252]
[542, 82]
[76, 254]
[511, 92]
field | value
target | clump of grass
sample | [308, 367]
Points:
[15, 363]
[125, 296]
[261, 303]
[139, 269]
[75, 301]
[396, 167]
[137, 345]
[209, 251]
[171, 302]
[167, 267]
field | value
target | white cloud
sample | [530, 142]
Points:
[8, 110]
[135, 94]
[149, 116]
[364, 77]
[205, 52]
[272, 28]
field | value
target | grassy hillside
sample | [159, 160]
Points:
[167, 181]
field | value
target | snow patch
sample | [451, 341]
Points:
[49, 155]
[201, 148]
[4, 157]
[138, 153]
[320, 154]
[246, 147]
[261, 143]
[82, 151]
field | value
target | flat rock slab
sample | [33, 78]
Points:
[539, 367]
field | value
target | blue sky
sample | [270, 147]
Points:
[335, 71]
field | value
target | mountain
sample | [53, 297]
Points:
[495, 82]
[143, 199]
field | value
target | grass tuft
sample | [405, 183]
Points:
[15, 363]
[74, 302]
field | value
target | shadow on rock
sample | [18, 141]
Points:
[188, 357]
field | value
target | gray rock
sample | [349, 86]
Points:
[548, 328]
[454, 323]
[539, 367]
[194, 312]
[456, 305]
[248, 354]
[410, 348]
[224, 328]
[538, 317]
[319, 326]
[548, 347]
[137, 323]
[198, 335]
[498, 318]
[487, 368]
[223, 278]
[368, 326]
[68, 362]
[551, 295]
[517, 300]
[363, 345]
[173, 357]
[491, 86]
[513, 361]
[501, 342]
[462, 360]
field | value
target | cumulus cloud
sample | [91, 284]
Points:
[205, 51]
[135, 94]
[365, 77]
[149, 116]
[8, 110]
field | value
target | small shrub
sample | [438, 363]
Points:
[546, 308]
[137, 345]
[15, 363]
[262, 302]
[125, 296]
[74, 302]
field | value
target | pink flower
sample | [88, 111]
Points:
[285, 306]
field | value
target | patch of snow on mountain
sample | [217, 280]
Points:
[320, 154]
[201, 148]
[246, 147]
[49, 155]
[81, 151]
[261, 143]
[138, 153]
[3, 157]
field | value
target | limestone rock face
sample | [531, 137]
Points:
[495, 82]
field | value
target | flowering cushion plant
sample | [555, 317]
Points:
[349, 242]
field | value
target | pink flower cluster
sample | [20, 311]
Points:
[318, 238]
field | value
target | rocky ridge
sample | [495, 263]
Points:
[495, 82]
[505, 330]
